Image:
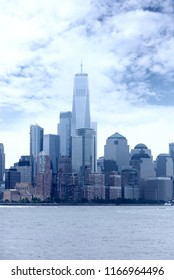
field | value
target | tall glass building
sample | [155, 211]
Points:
[84, 149]
[83, 133]
[81, 107]
[164, 165]
[2, 162]
[64, 131]
[51, 146]
[36, 146]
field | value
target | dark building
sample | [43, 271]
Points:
[68, 188]
[65, 164]
[142, 160]
[129, 182]
[164, 165]
[12, 176]
[110, 166]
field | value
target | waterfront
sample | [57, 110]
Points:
[86, 232]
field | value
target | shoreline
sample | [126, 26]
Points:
[81, 204]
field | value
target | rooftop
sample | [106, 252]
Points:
[164, 155]
[140, 146]
[116, 136]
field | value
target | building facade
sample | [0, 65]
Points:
[23, 166]
[142, 160]
[12, 176]
[2, 162]
[36, 146]
[81, 105]
[114, 189]
[164, 165]
[159, 189]
[84, 150]
[130, 179]
[43, 176]
[51, 146]
[117, 149]
[64, 131]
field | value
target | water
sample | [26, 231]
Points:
[86, 232]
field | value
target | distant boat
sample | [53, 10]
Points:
[168, 203]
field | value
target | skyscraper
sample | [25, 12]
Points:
[51, 146]
[117, 149]
[83, 135]
[2, 162]
[84, 149]
[142, 160]
[64, 131]
[36, 146]
[171, 152]
[164, 165]
[23, 166]
[43, 176]
[81, 107]
[12, 176]
[129, 178]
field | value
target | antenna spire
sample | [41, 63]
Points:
[81, 67]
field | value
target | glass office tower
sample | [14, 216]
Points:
[80, 108]
[84, 149]
[64, 131]
[36, 146]
[2, 162]
[51, 146]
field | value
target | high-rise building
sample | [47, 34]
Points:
[95, 189]
[117, 149]
[171, 150]
[64, 131]
[129, 180]
[142, 160]
[164, 165]
[36, 146]
[25, 173]
[81, 106]
[84, 149]
[43, 176]
[51, 146]
[65, 165]
[113, 189]
[68, 186]
[12, 176]
[159, 189]
[83, 141]
[25, 169]
[2, 162]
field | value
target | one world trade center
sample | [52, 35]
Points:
[81, 107]
[83, 135]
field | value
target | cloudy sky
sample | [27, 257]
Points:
[127, 49]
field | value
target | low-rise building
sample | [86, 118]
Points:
[11, 195]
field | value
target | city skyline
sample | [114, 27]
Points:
[126, 49]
